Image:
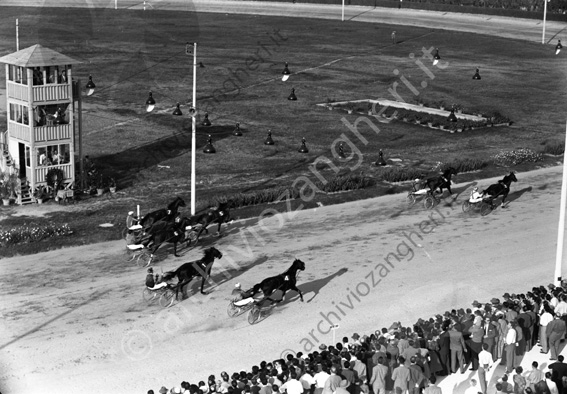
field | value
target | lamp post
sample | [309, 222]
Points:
[544, 17]
[194, 129]
[90, 87]
[561, 227]
[150, 105]
[334, 328]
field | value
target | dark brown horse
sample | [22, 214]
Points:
[186, 272]
[219, 215]
[284, 282]
[164, 231]
[442, 181]
[502, 188]
[167, 214]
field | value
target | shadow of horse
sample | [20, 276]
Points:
[517, 194]
[229, 273]
[316, 285]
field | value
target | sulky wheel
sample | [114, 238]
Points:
[410, 199]
[233, 310]
[429, 202]
[485, 208]
[466, 206]
[166, 298]
[149, 295]
[254, 315]
[144, 259]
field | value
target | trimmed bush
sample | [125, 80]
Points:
[346, 182]
[465, 165]
[256, 197]
[556, 148]
[399, 174]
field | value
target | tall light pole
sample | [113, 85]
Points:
[193, 128]
[544, 17]
[561, 228]
[151, 103]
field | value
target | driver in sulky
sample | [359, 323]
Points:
[476, 196]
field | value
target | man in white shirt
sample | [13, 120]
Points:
[545, 318]
[306, 381]
[320, 379]
[510, 347]
[484, 364]
[561, 307]
[292, 386]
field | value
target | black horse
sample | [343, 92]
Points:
[163, 231]
[219, 215]
[186, 272]
[284, 282]
[167, 214]
[502, 188]
[442, 181]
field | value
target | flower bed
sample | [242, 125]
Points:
[424, 115]
[28, 234]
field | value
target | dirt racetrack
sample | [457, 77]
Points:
[74, 319]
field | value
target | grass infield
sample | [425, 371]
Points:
[132, 52]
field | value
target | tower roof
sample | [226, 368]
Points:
[37, 56]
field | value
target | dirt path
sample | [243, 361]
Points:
[78, 312]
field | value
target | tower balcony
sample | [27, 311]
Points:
[41, 93]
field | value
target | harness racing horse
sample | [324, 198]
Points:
[164, 231]
[168, 214]
[284, 282]
[186, 272]
[220, 215]
[502, 188]
[440, 182]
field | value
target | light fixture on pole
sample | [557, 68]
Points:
[558, 47]
[237, 131]
[292, 96]
[476, 75]
[561, 227]
[150, 103]
[286, 73]
[90, 86]
[452, 117]
[177, 111]
[436, 57]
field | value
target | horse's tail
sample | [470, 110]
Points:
[169, 275]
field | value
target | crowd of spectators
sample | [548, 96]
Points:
[409, 360]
